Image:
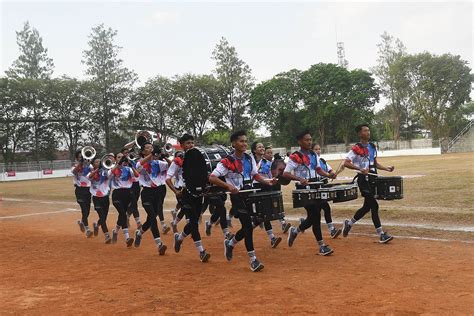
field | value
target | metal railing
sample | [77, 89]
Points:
[459, 135]
[36, 166]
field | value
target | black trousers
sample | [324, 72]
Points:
[366, 188]
[101, 205]
[313, 219]
[161, 194]
[133, 207]
[246, 231]
[121, 200]
[217, 209]
[150, 202]
[83, 198]
[327, 212]
[192, 206]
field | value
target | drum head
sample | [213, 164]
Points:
[195, 171]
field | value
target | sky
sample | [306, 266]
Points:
[169, 38]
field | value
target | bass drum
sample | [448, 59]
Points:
[213, 155]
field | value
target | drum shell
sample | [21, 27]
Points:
[388, 188]
[265, 206]
[304, 197]
[344, 192]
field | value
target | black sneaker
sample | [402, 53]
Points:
[88, 234]
[346, 228]
[385, 238]
[204, 256]
[96, 229]
[108, 240]
[174, 227]
[208, 228]
[162, 249]
[138, 238]
[166, 229]
[275, 241]
[285, 227]
[114, 236]
[81, 226]
[256, 266]
[335, 232]
[228, 250]
[292, 236]
[129, 242]
[325, 250]
[177, 243]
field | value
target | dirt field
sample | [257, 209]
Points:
[48, 266]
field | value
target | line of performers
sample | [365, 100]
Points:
[147, 178]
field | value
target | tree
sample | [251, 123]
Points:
[198, 104]
[438, 87]
[393, 87]
[111, 82]
[236, 81]
[71, 108]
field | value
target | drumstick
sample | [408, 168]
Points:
[370, 174]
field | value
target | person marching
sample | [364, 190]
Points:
[121, 182]
[333, 231]
[363, 159]
[100, 189]
[149, 170]
[260, 155]
[305, 165]
[175, 171]
[82, 184]
[133, 207]
[239, 169]
[192, 206]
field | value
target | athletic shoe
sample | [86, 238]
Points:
[138, 238]
[96, 229]
[275, 241]
[208, 228]
[346, 228]
[292, 236]
[81, 226]
[256, 266]
[166, 229]
[162, 249]
[385, 238]
[228, 250]
[129, 242]
[229, 236]
[173, 213]
[285, 227]
[335, 232]
[325, 250]
[177, 243]
[108, 240]
[174, 227]
[204, 256]
[114, 236]
[88, 234]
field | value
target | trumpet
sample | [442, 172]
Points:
[108, 161]
[168, 148]
[133, 155]
[142, 137]
[88, 152]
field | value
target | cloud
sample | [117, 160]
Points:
[165, 17]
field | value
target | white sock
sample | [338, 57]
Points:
[330, 226]
[199, 246]
[158, 241]
[352, 221]
[233, 242]
[379, 230]
[270, 234]
[137, 220]
[182, 236]
[252, 255]
[225, 231]
[163, 224]
[125, 233]
[117, 228]
[87, 228]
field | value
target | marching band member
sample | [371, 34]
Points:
[149, 170]
[175, 171]
[133, 207]
[100, 189]
[239, 168]
[82, 184]
[363, 158]
[262, 157]
[121, 182]
[192, 206]
[305, 164]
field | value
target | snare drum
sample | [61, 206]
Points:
[305, 197]
[265, 206]
[388, 188]
[344, 192]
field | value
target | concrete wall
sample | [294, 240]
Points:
[465, 143]
[29, 175]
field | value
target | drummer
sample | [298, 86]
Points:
[333, 231]
[237, 169]
[303, 166]
[363, 159]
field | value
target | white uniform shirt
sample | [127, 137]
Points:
[305, 168]
[237, 171]
[80, 179]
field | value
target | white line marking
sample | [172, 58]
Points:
[418, 238]
[43, 213]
